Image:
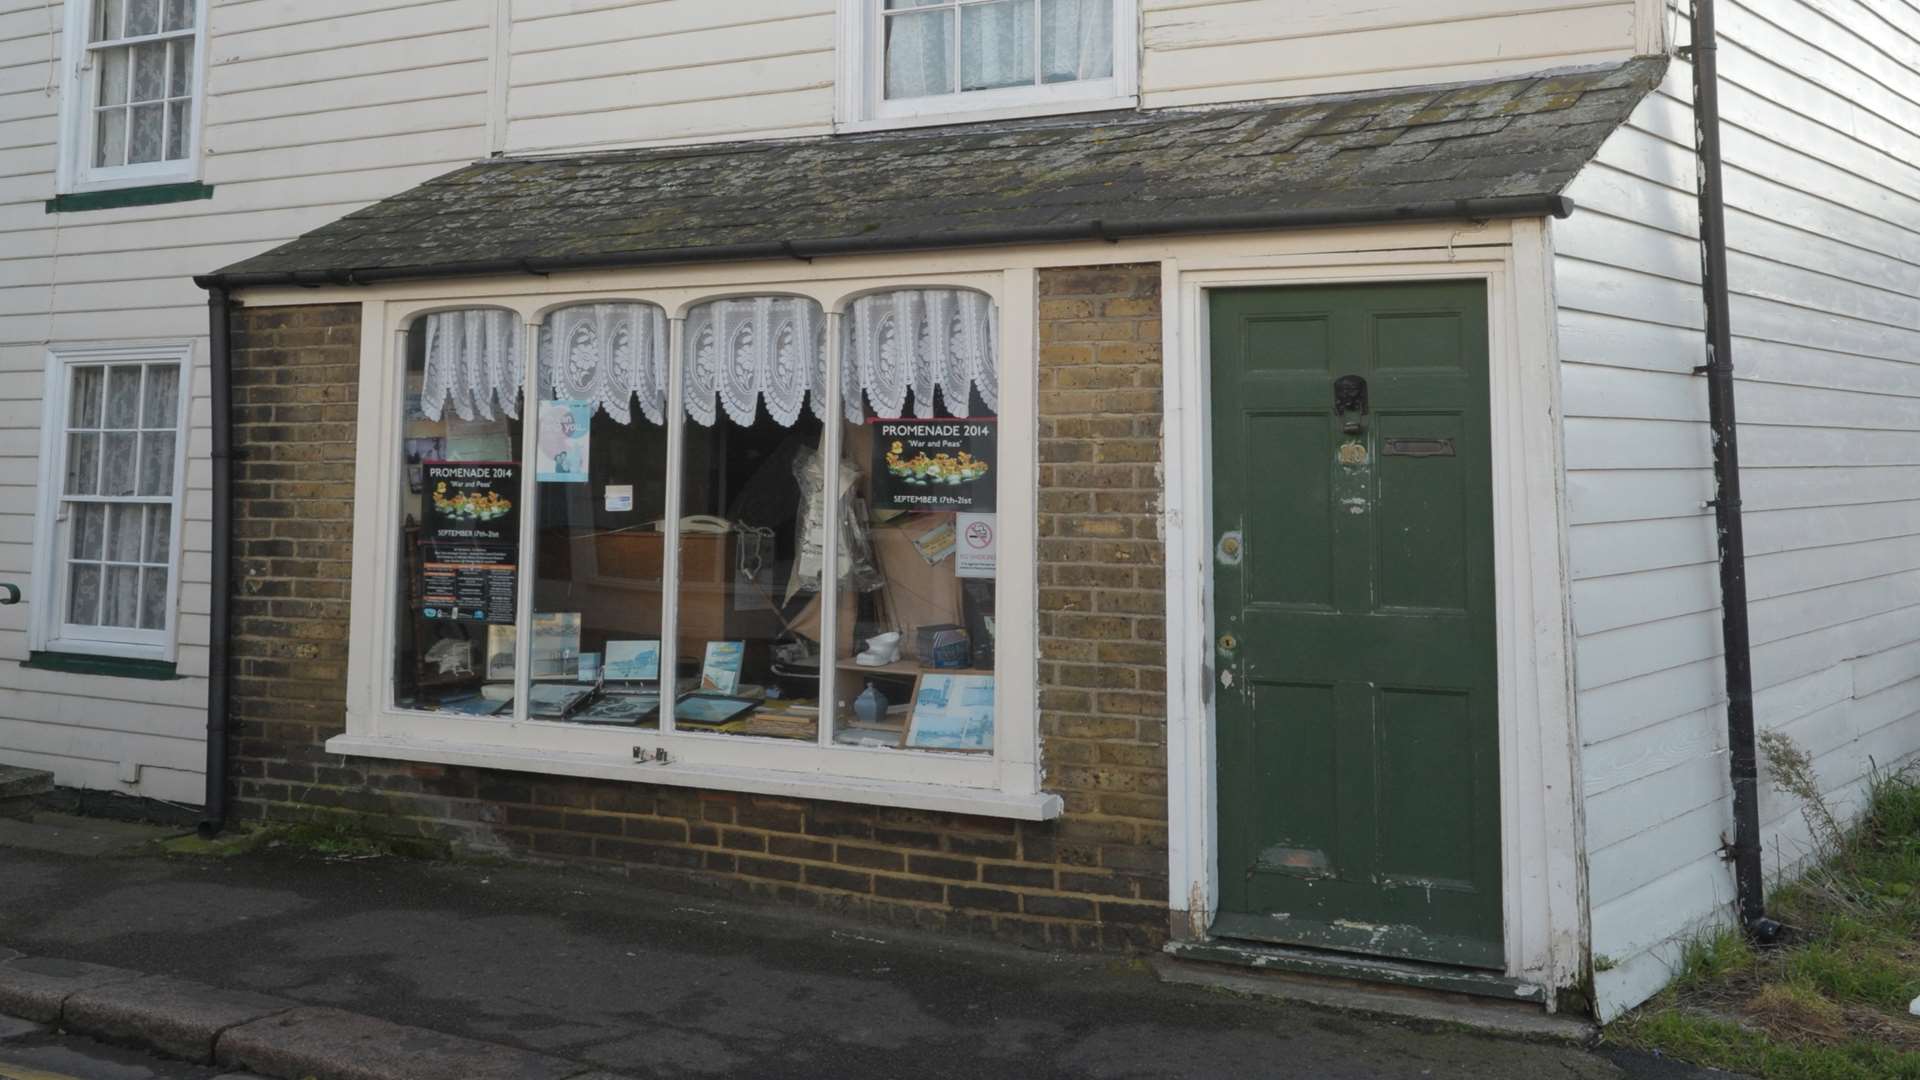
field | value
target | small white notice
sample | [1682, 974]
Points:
[619, 498]
[979, 540]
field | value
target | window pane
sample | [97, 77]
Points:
[113, 76]
[162, 396]
[153, 598]
[915, 655]
[149, 71]
[120, 601]
[180, 67]
[895, 5]
[83, 464]
[159, 535]
[179, 128]
[143, 17]
[117, 466]
[179, 15]
[459, 543]
[124, 525]
[919, 53]
[123, 396]
[83, 594]
[751, 494]
[107, 23]
[83, 405]
[156, 462]
[89, 530]
[1076, 40]
[598, 587]
[149, 124]
[996, 44]
[110, 138]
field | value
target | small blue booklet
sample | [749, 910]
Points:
[721, 672]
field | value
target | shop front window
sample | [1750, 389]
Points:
[795, 559]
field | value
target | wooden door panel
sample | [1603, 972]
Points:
[1355, 711]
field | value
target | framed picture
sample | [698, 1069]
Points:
[951, 712]
[710, 710]
[632, 661]
[621, 709]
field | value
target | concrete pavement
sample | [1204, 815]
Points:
[289, 964]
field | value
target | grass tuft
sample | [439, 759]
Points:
[1832, 1005]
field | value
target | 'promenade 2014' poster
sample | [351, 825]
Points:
[470, 540]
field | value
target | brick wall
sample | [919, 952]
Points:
[1095, 878]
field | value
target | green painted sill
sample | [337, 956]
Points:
[151, 195]
[117, 666]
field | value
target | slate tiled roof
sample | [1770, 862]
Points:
[1354, 157]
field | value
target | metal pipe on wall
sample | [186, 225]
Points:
[213, 816]
[1743, 763]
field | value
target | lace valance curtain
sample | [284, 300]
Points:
[916, 340]
[609, 354]
[742, 354]
[473, 361]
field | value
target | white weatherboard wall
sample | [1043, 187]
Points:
[585, 74]
[313, 111]
[1821, 125]
[1205, 51]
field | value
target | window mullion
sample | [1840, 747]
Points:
[959, 83]
[1039, 24]
[830, 526]
[670, 545]
[529, 524]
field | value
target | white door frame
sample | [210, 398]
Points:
[1544, 895]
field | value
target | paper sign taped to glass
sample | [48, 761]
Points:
[566, 429]
[936, 464]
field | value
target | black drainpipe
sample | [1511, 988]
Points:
[220, 347]
[1749, 883]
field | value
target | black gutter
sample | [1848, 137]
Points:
[218, 286]
[1504, 206]
[213, 815]
[1749, 882]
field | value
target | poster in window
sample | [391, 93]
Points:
[565, 432]
[470, 541]
[939, 464]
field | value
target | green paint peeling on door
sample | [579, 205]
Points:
[1353, 582]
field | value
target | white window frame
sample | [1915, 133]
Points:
[75, 172]
[861, 104]
[1004, 784]
[48, 630]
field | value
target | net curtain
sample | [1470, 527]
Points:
[742, 355]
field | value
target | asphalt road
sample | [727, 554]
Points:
[643, 983]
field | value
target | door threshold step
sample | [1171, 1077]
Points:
[1428, 992]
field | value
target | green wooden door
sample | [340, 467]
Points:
[1353, 585]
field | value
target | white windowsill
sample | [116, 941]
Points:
[938, 797]
[950, 115]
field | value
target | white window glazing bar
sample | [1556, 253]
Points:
[529, 523]
[670, 546]
[830, 522]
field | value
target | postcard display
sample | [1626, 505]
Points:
[913, 565]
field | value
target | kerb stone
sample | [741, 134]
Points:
[36, 987]
[341, 1045]
[173, 1016]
